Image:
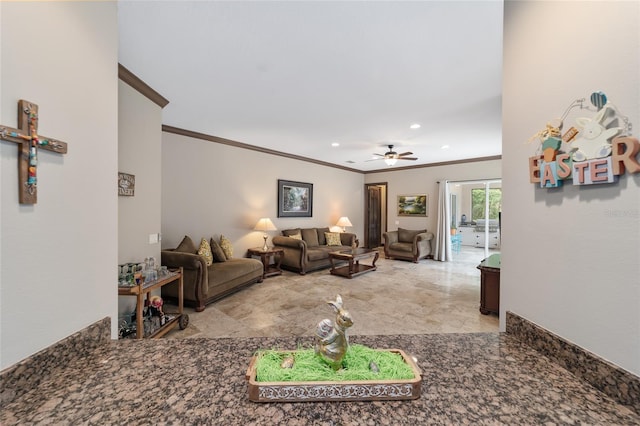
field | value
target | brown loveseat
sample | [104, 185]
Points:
[311, 251]
[407, 244]
[205, 284]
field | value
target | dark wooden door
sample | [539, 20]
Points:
[374, 209]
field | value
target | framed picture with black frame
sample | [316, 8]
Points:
[295, 199]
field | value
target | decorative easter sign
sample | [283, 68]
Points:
[594, 151]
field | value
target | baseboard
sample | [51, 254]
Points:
[615, 382]
[28, 373]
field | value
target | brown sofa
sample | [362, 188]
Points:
[311, 252]
[407, 244]
[205, 284]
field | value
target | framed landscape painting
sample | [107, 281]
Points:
[295, 199]
[413, 205]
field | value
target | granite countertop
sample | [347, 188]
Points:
[483, 378]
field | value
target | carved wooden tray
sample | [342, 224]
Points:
[361, 390]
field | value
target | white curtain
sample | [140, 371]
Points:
[443, 229]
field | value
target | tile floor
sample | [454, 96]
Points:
[400, 297]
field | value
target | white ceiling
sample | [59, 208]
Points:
[297, 76]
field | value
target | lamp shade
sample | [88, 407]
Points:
[344, 221]
[390, 161]
[265, 224]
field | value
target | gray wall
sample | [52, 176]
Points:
[58, 256]
[139, 154]
[210, 189]
[425, 181]
[570, 256]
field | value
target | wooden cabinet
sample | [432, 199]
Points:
[494, 240]
[472, 237]
[490, 284]
[479, 239]
[468, 236]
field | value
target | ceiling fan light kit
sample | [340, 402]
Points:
[391, 157]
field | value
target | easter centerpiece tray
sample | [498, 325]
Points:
[373, 389]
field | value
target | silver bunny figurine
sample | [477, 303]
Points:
[332, 342]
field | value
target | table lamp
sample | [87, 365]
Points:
[264, 225]
[344, 222]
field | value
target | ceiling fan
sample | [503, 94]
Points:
[390, 157]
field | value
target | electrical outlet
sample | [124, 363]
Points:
[153, 238]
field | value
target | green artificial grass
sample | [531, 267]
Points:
[308, 366]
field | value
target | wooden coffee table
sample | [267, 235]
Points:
[354, 268]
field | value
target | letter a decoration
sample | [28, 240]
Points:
[28, 140]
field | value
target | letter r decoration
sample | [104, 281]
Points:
[26, 136]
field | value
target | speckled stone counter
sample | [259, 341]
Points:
[484, 378]
[620, 384]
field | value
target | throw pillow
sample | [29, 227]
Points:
[217, 252]
[297, 236]
[321, 239]
[333, 238]
[205, 251]
[186, 246]
[407, 235]
[289, 232]
[226, 246]
[310, 236]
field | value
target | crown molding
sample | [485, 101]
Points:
[132, 80]
[443, 163]
[216, 139]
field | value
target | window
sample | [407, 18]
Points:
[478, 203]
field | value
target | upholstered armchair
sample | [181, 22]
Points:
[407, 244]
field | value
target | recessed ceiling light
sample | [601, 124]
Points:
[414, 126]
[444, 147]
[335, 144]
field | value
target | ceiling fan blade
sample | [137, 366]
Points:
[375, 159]
[405, 153]
[379, 155]
[407, 158]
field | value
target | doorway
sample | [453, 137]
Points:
[476, 213]
[375, 214]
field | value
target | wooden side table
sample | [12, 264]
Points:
[270, 269]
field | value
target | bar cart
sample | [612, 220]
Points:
[144, 289]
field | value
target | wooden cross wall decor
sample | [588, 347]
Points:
[26, 136]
